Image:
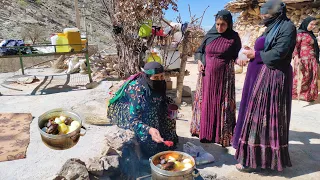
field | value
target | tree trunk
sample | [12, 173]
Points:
[129, 55]
[184, 58]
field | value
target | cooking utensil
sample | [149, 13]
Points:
[160, 174]
[64, 141]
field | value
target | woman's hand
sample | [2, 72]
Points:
[250, 53]
[200, 66]
[241, 62]
[155, 134]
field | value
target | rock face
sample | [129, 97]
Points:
[73, 169]
[54, 16]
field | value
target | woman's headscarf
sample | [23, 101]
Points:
[304, 29]
[278, 11]
[151, 69]
[213, 33]
[143, 78]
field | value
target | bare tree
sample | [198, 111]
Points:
[32, 32]
[127, 17]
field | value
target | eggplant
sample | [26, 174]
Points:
[168, 166]
[68, 121]
[53, 129]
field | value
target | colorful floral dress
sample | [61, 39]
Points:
[139, 110]
[196, 109]
[305, 85]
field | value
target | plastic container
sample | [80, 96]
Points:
[54, 41]
[62, 40]
[70, 30]
[74, 40]
[146, 29]
[83, 43]
[154, 57]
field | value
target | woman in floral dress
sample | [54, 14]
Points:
[141, 106]
[306, 60]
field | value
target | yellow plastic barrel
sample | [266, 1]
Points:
[74, 39]
[62, 39]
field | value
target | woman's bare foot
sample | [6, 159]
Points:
[242, 168]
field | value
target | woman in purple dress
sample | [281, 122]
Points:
[253, 70]
[215, 59]
[264, 137]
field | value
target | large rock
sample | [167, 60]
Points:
[186, 91]
[208, 175]
[117, 138]
[73, 169]
[95, 166]
[111, 164]
[108, 151]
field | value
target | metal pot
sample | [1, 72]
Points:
[159, 174]
[173, 111]
[60, 142]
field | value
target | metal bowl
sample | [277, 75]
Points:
[64, 141]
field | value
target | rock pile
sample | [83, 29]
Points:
[104, 65]
[120, 158]
[248, 21]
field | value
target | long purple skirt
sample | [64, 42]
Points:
[264, 137]
[253, 71]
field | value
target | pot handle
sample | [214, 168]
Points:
[85, 131]
[195, 173]
[150, 158]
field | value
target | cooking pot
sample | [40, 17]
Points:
[64, 141]
[159, 174]
[173, 111]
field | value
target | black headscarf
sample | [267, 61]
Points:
[304, 29]
[278, 11]
[151, 69]
[213, 34]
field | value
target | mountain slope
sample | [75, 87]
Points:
[53, 16]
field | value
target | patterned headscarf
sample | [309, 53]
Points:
[143, 78]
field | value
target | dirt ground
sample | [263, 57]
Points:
[61, 91]
[304, 140]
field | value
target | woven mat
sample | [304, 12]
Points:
[14, 135]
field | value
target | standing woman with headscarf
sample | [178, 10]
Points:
[306, 60]
[264, 138]
[216, 58]
[141, 105]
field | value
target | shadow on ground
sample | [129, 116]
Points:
[304, 153]
[314, 102]
[48, 84]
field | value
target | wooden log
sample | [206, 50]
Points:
[184, 58]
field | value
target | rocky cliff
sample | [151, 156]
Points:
[53, 16]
